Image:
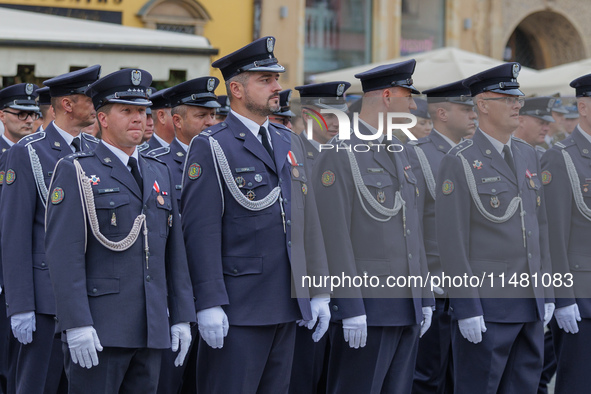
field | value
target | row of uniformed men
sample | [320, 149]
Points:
[240, 218]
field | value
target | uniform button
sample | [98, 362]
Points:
[148, 278]
[494, 190]
[576, 266]
[379, 183]
[94, 290]
[408, 232]
[529, 255]
[289, 222]
[410, 255]
[249, 183]
[289, 243]
[285, 200]
[145, 207]
[42, 264]
[111, 203]
[55, 318]
[364, 272]
[335, 308]
[235, 271]
[529, 233]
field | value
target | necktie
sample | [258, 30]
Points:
[509, 159]
[76, 144]
[135, 171]
[265, 138]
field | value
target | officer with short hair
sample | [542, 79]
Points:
[489, 189]
[367, 195]
[424, 123]
[123, 287]
[30, 163]
[452, 110]
[534, 121]
[566, 177]
[283, 116]
[246, 201]
[159, 112]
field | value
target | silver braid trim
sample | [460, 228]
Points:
[363, 191]
[87, 198]
[427, 171]
[515, 203]
[574, 182]
[240, 198]
[38, 174]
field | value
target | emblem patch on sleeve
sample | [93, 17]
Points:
[1, 177]
[10, 176]
[546, 177]
[447, 187]
[328, 178]
[57, 195]
[194, 171]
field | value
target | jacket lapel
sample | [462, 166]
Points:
[281, 147]
[251, 143]
[149, 176]
[56, 142]
[520, 164]
[495, 159]
[119, 171]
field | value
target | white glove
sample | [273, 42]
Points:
[23, 325]
[355, 331]
[472, 328]
[213, 326]
[567, 318]
[320, 313]
[438, 290]
[548, 312]
[180, 333]
[427, 318]
[84, 343]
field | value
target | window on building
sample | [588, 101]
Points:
[180, 16]
[338, 34]
[422, 26]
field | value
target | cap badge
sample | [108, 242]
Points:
[516, 69]
[29, 88]
[340, 89]
[150, 91]
[270, 44]
[551, 102]
[210, 84]
[136, 77]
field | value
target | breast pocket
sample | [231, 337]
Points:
[164, 214]
[254, 186]
[494, 197]
[381, 187]
[299, 186]
[110, 211]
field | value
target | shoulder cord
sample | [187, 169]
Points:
[427, 171]
[38, 174]
[574, 182]
[362, 190]
[88, 207]
[224, 168]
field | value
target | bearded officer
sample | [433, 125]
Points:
[123, 288]
[451, 109]
[490, 188]
[367, 207]
[566, 177]
[29, 166]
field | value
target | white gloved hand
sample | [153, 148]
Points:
[84, 343]
[438, 290]
[472, 328]
[23, 325]
[567, 318]
[320, 313]
[427, 318]
[213, 326]
[548, 312]
[355, 331]
[180, 333]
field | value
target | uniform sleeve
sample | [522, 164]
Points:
[65, 244]
[544, 238]
[453, 206]
[559, 209]
[17, 213]
[202, 204]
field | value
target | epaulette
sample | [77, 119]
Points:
[81, 154]
[163, 150]
[540, 149]
[460, 147]
[90, 138]
[216, 129]
[565, 143]
[413, 142]
[38, 136]
[142, 147]
[520, 140]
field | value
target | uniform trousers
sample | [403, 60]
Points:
[8, 353]
[310, 363]
[573, 357]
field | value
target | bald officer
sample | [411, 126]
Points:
[489, 189]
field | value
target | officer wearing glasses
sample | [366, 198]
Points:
[18, 112]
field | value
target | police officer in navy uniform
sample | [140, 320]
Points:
[222, 112]
[17, 113]
[314, 98]
[284, 115]
[193, 104]
[163, 127]
[451, 110]
[45, 108]
[246, 201]
[122, 289]
[566, 177]
[367, 201]
[534, 122]
[29, 167]
[489, 190]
